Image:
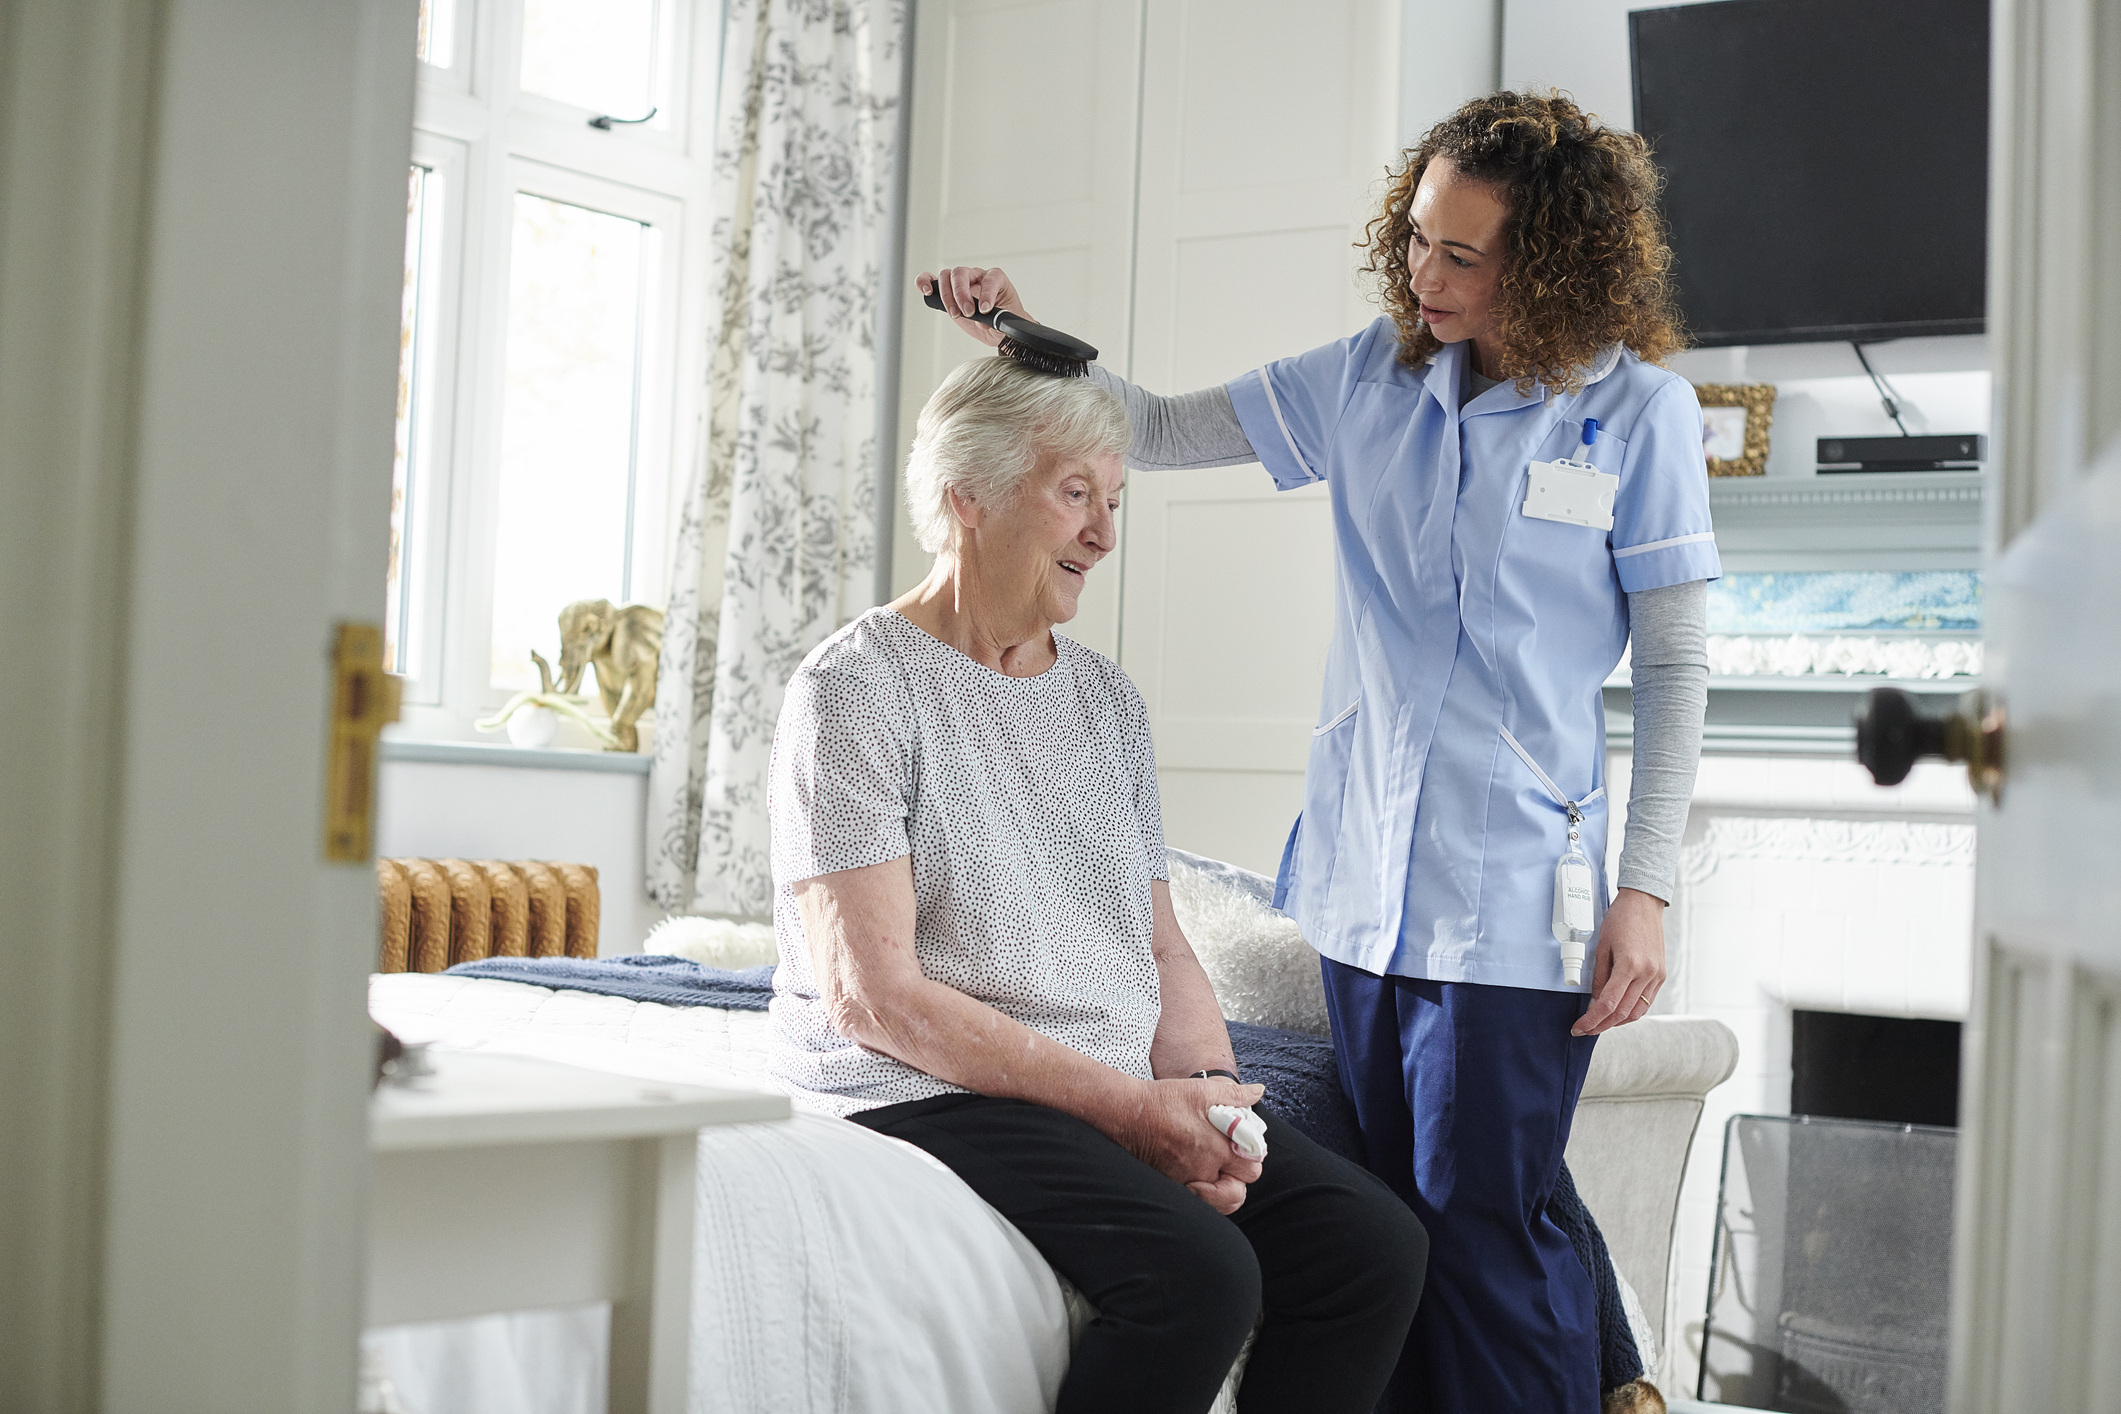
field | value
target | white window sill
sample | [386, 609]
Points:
[550, 758]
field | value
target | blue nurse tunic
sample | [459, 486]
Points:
[1427, 842]
[1461, 710]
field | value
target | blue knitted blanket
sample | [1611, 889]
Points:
[1303, 1088]
[648, 977]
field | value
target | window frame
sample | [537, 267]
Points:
[496, 140]
[655, 393]
[430, 443]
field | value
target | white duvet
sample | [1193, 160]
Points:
[838, 1271]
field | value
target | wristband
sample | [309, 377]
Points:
[1225, 1074]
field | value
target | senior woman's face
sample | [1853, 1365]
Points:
[1454, 258]
[1035, 554]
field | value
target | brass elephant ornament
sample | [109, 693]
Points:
[624, 646]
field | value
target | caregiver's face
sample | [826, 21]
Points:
[1454, 258]
[1038, 552]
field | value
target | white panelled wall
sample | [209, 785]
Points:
[1257, 168]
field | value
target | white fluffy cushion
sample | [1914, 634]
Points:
[1262, 970]
[713, 942]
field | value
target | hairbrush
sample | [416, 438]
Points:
[1047, 350]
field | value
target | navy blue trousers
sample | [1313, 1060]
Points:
[1465, 1092]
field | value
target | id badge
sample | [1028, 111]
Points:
[1574, 493]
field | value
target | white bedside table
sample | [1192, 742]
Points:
[503, 1183]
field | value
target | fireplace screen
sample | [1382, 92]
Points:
[1832, 1271]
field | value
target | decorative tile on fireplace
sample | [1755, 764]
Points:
[1871, 916]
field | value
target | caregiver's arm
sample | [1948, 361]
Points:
[858, 924]
[1669, 629]
[1178, 434]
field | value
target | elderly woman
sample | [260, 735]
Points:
[978, 953]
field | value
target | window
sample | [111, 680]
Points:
[438, 33]
[544, 394]
[414, 340]
[595, 56]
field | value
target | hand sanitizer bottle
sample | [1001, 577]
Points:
[1575, 917]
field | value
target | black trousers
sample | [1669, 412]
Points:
[1333, 1257]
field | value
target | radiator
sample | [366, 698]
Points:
[439, 912]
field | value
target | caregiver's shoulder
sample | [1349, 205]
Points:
[1641, 384]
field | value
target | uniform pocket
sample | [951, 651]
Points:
[1325, 799]
[1343, 715]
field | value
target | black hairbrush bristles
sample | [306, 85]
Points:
[1033, 345]
[1044, 362]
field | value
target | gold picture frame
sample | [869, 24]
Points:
[1758, 400]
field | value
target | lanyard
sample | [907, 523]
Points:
[1575, 883]
[1573, 807]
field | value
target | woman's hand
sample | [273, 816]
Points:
[1630, 965]
[1169, 1131]
[968, 287]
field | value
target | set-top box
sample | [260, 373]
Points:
[1959, 452]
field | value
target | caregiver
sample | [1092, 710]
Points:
[1482, 600]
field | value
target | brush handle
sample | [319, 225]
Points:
[934, 300]
[1028, 332]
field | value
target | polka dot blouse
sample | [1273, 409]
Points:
[1029, 808]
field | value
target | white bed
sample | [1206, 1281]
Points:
[838, 1271]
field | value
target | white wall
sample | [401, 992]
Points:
[437, 810]
[1448, 53]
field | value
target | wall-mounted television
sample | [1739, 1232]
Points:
[1826, 164]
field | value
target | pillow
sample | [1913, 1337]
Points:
[1262, 970]
[713, 942]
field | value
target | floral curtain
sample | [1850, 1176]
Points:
[776, 543]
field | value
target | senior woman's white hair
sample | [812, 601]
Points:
[983, 431]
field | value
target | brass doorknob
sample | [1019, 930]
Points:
[1892, 735]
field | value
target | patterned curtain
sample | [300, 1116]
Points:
[776, 544]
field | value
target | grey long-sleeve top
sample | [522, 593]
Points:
[1667, 627]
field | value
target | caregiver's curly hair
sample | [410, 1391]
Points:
[1587, 265]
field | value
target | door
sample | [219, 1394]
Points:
[202, 224]
[2039, 1250]
[2037, 1298]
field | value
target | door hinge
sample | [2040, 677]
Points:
[364, 699]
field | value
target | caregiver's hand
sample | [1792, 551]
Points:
[1169, 1131]
[968, 287]
[1630, 965]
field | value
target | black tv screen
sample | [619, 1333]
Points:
[1826, 164]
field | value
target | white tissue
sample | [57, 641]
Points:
[1244, 1129]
